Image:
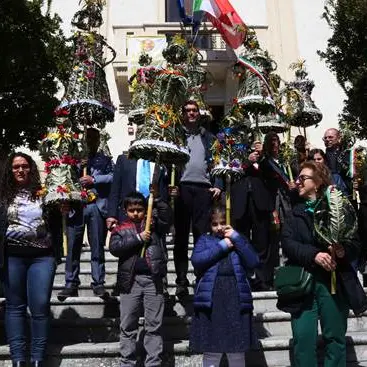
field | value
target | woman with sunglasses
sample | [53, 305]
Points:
[303, 248]
[27, 263]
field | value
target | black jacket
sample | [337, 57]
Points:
[300, 247]
[127, 245]
[255, 182]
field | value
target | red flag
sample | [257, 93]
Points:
[223, 16]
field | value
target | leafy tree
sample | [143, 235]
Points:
[34, 55]
[346, 56]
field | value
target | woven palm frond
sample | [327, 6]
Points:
[335, 220]
[335, 200]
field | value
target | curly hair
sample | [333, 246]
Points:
[321, 174]
[8, 185]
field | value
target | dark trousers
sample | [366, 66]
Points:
[193, 207]
[97, 232]
[332, 310]
[256, 225]
[362, 227]
[28, 282]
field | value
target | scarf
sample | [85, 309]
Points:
[311, 205]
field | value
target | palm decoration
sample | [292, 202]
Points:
[335, 222]
[161, 138]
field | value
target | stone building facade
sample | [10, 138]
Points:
[289, 29]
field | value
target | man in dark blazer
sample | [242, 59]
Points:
[125, 181]
[254, 209]
[253, 204]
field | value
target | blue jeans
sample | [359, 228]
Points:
[28, 282]
[97, 232]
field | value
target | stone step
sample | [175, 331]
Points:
[70, 329]
[85, 289]
[111, 274]
[111, 267]
[263, 301]
[95, 307]
[274, 352]
[85, 256]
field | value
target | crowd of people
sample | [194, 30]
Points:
[269, 211]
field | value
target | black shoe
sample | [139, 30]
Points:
[99, 291]
[37, 364]
[182, 291]
[67, 292]
[19, 364]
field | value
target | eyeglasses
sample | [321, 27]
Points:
[330, 137]
[187, 110]
[17, 167]
[302, 178]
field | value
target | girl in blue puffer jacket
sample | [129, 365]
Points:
[223, 302]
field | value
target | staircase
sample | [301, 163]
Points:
[85, 329]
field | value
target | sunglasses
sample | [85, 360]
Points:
[302, 178]
[17, 167]
[187, 110]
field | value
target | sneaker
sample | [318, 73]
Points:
[182, 291]
[99, 291]
[67, 292]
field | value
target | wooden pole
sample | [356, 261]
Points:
[173, 179]
[333, 274]
[228, 200]
[85, 149]
[290, 174]
[64, 234]
[333, 282]
[148, 220]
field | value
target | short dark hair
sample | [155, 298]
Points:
[135, 198]
[190, 101]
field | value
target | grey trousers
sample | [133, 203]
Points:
[234, 359]
[148, 294]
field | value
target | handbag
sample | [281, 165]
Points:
[293, 282]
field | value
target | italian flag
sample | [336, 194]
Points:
[224, 18]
